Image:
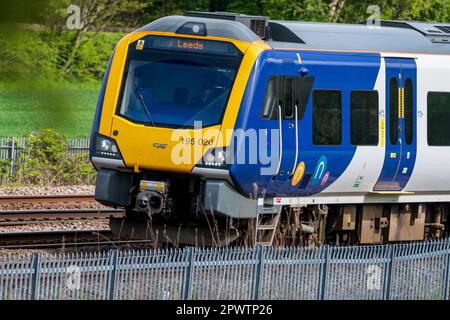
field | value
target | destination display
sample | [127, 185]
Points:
[187, 44]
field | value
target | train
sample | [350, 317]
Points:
[217, 128]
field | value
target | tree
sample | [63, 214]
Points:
[309, 10]
[218, 5]
[347, 11]
[355, 11]
[335, 8]
[53, 15]
[94, 16]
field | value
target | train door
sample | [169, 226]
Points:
[400, 126]
[287, 125]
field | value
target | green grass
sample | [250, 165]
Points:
[67, 108]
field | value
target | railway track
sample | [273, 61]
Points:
[45, 239]
[52, 238]
[48, 199]
[19, 217]
[63, 239]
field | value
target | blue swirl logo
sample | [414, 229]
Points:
[320, 170]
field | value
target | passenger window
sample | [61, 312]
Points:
[438, 121]
[327, 117]
[288, 98]
[393, 111]
[409, 112]
[270, 101]
[364, 118]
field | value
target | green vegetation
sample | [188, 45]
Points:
[37, 58]
[69, 110]
[50, 76]
[4, 169]
[45, 162]
[134, 13]
[35, 93]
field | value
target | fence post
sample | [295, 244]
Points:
[447, 272]
[388, 275]
[323, 273]
[11, 155]
[35, 276]
[188, 279]
[258, 272]
[112, 274]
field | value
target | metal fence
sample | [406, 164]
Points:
[406, 271]
[11, 148]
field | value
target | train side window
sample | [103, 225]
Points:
[270, 101]
[288, 98]
[327, 117]
[393, 111]
[364, 118]
[438, 118]
[409, 112]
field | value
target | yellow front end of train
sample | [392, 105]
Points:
[171, 128]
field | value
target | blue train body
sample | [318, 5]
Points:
[342, 129]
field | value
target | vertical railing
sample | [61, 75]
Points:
[447, 271]
[388, 274]
[112, 274]
[268, 270]
[12, 156]
[35, 265]
[257, 275]
[188, 274]
[322, 288]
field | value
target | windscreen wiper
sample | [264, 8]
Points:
[141, 98]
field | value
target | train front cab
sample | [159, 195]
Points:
[162, 119]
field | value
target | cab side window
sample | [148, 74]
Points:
[270, 110]
[289, 92]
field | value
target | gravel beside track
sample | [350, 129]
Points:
[41, 191]
[25, 200]
[51, 198]
[57, 226]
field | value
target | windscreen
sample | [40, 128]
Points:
[172, 82]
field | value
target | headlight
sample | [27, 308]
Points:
[105, 145]
[221, 157]
[214, 158]
[106, 148]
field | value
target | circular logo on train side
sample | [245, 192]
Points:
[320, 171]
[298, 174]
[325, 178]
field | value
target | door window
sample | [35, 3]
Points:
[393, 111]
[409, 115]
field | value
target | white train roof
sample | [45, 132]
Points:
[389, 36]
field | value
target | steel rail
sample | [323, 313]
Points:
[32, 238]
[47, 199]
[66, 238]
[14, 217]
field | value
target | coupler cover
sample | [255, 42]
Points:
[113, 188]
